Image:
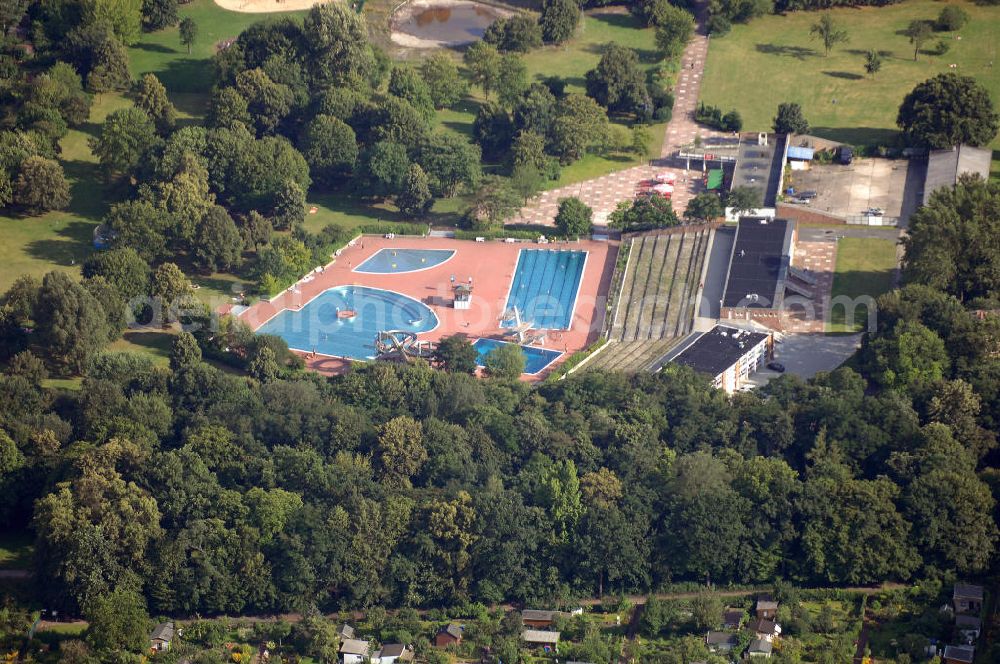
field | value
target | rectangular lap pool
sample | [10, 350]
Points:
[535, 359]
[545, 286]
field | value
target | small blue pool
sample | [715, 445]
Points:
[319, 326]
[545, 286]
[535, 359]
[393, 261]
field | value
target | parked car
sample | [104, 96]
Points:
[845, 154]
[808, 194]
[776, 366]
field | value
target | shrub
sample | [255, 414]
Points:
[732, 121]
[719, 25]
[951, 18]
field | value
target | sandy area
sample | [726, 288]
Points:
[267, 6]
[415, 7]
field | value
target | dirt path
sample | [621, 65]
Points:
[602, 194]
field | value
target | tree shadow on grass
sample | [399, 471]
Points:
[194, 104]
[464, 128]
[153, 340]
[86, 191]
[846, 75]
[862, 51]
[797, 52]
[857, 136]
[187, 75]
[70, 246]
[155, 48]
[615, 19]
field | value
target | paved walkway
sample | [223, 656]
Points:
[604, 193]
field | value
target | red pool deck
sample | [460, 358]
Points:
[491, 266]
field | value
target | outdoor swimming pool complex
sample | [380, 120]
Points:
[545, 286]
[535, 359]
[325, 325]
[396, 261]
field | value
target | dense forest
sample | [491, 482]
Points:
[408, 486]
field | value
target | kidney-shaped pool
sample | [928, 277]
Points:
[343, 321]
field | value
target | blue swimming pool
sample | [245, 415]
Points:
[545, 286]
[318, 326]
[393, 261]
[535, 359]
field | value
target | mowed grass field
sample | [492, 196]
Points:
[864, 268]
[773, 59]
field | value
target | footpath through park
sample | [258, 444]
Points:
[603, 194]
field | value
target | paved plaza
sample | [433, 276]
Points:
[604, 193]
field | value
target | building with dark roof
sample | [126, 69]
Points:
[161, 636]
[538, 637]
[538, 618]
[760, 165]
[728, 354]
[759, 271]
[390, 653]
[944, 167]
[760, 648]
[721, 641]
[959, 654]
[967, 598]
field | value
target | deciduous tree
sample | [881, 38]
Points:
[41, 186]
[829, 32]
[574, 217]
[126, 136]
[188, 32]
[151, 97]
[217, 241]
[415, 199]
[559, 20]
[443, 80]
[674, 30]
[790, 119]
[401, 450]
[946, 111]
[455, 354]
[70, 322]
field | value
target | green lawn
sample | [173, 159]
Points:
[864, 268]
[573, 59]
[60, 240]
[16, 549]
[775, 54]
[162, 53]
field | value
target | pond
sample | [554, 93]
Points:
[445, 23]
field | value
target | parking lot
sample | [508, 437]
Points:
[893, 185]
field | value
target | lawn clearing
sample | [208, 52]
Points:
[864, 268]
[775, 54]
[61, 239]
[16, 550]
[161, 52]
